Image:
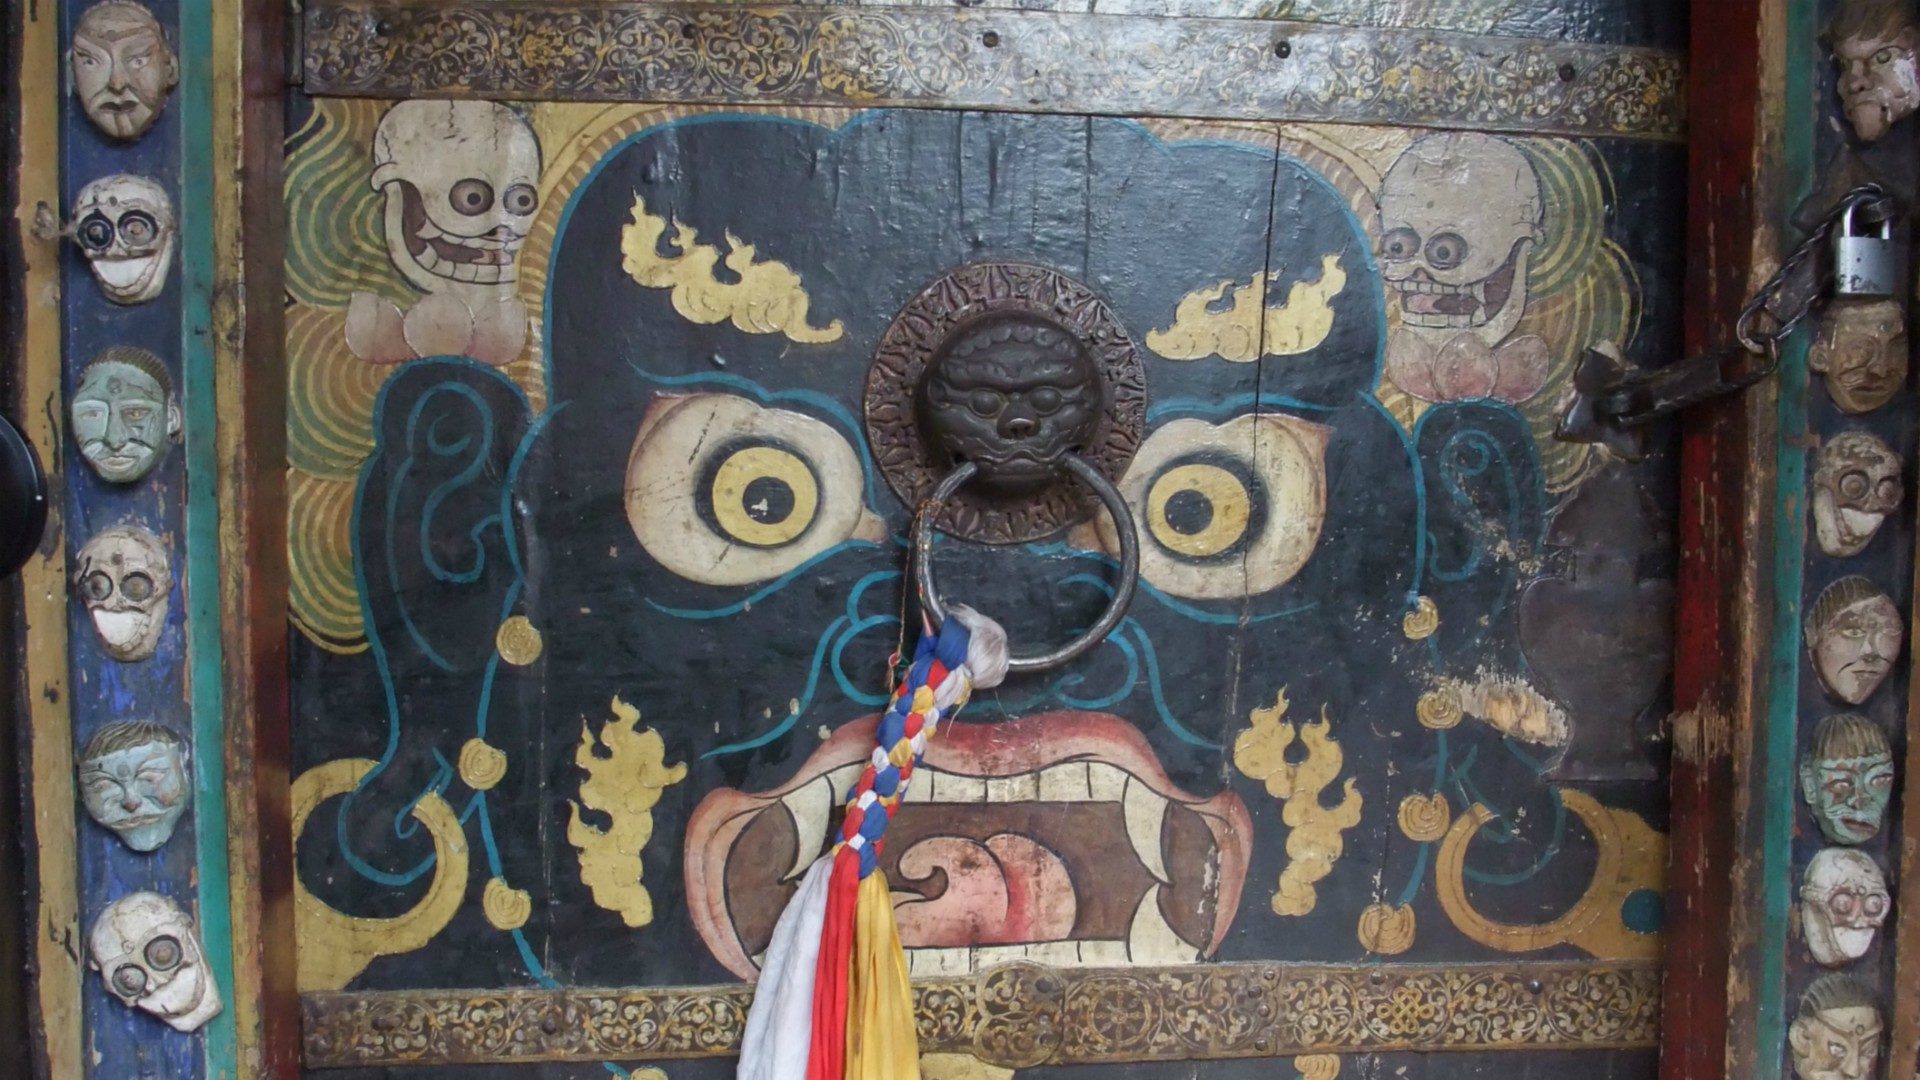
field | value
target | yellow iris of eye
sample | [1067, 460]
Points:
[1226, 497]
[745, 514]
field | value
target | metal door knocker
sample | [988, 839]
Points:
[1002, 403]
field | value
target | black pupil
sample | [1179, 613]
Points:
[521, 199]
[138, 228]
[767, 500]
[137, 586]
[471, 196]
[99, 586]
[163, 952]
[1189, 512]
[130, 979]
[96, 232]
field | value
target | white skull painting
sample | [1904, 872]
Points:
[124, 576]
[125, 226]
[460, 180]
[147, 952]
[1460, 214]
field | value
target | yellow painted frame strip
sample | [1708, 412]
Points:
[53, 902]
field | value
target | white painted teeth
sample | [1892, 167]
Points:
[1146, 814]
[1151, 940]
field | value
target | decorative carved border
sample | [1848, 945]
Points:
[1249, 69]
[1022, 1015]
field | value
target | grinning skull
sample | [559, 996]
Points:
[1843, 903]
[460, 181]
[1459, 214]
[1856, 484]
[146, 951]
[124, 577]
[124, 224]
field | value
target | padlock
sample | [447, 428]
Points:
[1865, 266]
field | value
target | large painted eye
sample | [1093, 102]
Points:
[520, 200]
[98, 586]
[129, 980]
[1400, 245]
[137, 586]
[138, 228]
[1226, 510]
[1447, 250]
[724, 491]
[95, 232]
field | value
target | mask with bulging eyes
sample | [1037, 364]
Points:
[148, 954]
[125, 226]
[1843, 903]
[724, 491]
[1856, 484]
[124, 577]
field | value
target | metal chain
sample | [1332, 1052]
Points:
[1795, 290]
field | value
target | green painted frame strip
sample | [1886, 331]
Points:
[206, 696]
[1782, 715]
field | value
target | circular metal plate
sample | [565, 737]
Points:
[23, 499]
[907, 457]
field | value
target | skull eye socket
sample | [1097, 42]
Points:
[98, 586]
[520, 200]
[1876, 905]
[724, 491]
[95, 232]
[471, 197]
[1447, 250]
[1889, 490]
[1400, 245]
[1855, 485]
[129, 980]
[138, 228]
[137, 586]
[163, 953]
[1843, 903]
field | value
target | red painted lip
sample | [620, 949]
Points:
[987, 751]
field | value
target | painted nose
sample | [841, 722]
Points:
[129, 803]
[116, 436]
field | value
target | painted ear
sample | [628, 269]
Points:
[1798, 1038]
[173, 419]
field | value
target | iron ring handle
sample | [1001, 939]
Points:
[1116, 506]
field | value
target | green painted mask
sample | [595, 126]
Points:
[124, 414]
[1847, 778]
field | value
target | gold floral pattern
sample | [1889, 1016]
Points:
[1028, 60]
[1023, 1015]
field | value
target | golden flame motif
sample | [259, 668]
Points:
[1317, 1066]
[505, 907]
[624, 783]
[1425, 817]
[518, 640]
[1420, 623]
[1440, 710]
[482, 765]
[1247, 328]
[1314, 843]
[1386, 930]
[768, 298]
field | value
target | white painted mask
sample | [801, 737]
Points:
[1856, 484]
[133, 780]
[1855, 634]
[124, 576]
[123, 68]
[1873, 44]
[1843, 903]
[148, 954]
[124, 414]
[125, 225]
[461, 182]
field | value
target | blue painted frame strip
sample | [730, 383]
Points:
[206, 670]
[1782, 712]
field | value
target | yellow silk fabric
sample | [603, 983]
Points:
[881, 1041]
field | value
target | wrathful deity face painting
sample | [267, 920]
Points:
[1856, 484]
[1873, 43]
[133, 780]
[1847, 778]
[122, 67]
[125, 417]
[148, 954]
[124, 225]
[1843, 903]
[123, 576]
[1855, 633]
[1836, 1034]
[636, 600]
[1861, 348]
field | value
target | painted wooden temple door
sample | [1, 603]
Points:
[604, 442]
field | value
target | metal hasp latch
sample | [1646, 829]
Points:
[1613, 403]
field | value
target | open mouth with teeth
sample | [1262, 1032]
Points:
[488, 259]
[1434, 304]
[1055, 838]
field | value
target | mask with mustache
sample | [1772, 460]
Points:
[124, 414]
